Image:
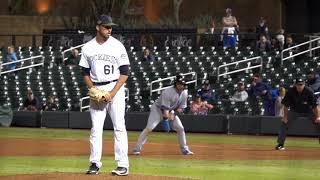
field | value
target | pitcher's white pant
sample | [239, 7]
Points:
[116, 110]
[154, 119]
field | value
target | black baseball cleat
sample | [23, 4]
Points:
[280, 147]
[120, 171]
[93, 169]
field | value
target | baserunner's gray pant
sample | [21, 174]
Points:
[292, 117]
[154, 119]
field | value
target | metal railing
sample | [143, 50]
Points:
[316, 35]
[24, 67]
[243, 69]
[70, 49]
[171, 78]
[87, 97]
[292, 55]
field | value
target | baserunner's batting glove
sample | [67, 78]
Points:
[165, 125]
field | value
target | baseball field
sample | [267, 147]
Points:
[40, 153]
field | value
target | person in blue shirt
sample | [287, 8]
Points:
[206, 93]
[261, 90]
[11, 57]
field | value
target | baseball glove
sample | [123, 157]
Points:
[99, 95]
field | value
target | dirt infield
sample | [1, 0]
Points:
[30, 147]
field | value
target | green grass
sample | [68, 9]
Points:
[156, 137]
[197, 169]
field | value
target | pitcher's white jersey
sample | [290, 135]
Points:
[104, 59]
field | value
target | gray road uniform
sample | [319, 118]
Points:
[170, 100]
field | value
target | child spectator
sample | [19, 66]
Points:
[50, 105]
[199, 107]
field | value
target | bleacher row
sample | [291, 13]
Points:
[66, 83]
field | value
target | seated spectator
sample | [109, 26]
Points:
[147, 56]
[313, 81]
[241, 94]
[31, 103]
[199, 107]
[278, 42]
[50, 105]
[206, 93]
[263, 44]
[289, 42]
[260, 90]
[11, 57]
[262, 28]
[278, 105]
[73, 59]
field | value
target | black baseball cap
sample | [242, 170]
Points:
[300, 80]
[105, 20]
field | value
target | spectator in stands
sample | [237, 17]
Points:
[258, 87]
[73, 59]
[209, 38]
[31, 103]
[278, 105]
[263, 45]
[50, 105]
[206, 93]
[211, 27]
[199, 107]
[230, 30]
[11, 57]
[289, 42]
[278, 42]
[260, 90]
[147, 56]
[262, 28]
[313, 81]
[241, 94]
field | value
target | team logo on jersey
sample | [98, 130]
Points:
[123, 56]
[103, 57]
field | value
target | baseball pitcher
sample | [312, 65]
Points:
[105, 66]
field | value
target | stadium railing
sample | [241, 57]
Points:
[194, 75]
[22, 61]
[293, 54]
[243, 69]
